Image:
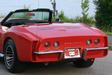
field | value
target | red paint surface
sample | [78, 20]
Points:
[30, 38]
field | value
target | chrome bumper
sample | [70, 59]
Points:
[49, 52]
[61, 51]
[101, 48]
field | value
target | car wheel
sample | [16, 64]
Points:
[81, 63]
[11, 61]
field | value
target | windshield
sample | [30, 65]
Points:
[37, 16]
[26, 16]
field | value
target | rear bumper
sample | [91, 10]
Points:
[61, 51]
[58, 55]
[95, 52]
[49, 52]
[101, 48]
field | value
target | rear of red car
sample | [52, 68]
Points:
[36, 39]
[76, 47]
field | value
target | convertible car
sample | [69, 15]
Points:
[31, 36]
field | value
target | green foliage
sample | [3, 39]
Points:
[63, 17]
[103, 14]
[85, 8]
[85, 15]
[89, 20]
[84, 19]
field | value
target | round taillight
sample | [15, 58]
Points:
[88, 42]
[97, 41]
[47, 44]
[56, 44]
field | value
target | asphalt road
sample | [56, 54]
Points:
[102, 66]
[110, 40]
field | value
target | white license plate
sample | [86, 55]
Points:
[72, 53]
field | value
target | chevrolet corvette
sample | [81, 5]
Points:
[31, 36]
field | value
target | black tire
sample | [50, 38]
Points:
[81, 63]
[11, 61]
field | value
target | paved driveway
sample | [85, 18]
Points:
[110, 40]
[102, 66]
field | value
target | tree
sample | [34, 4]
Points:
[104, 14]
[85, 8]
[53, 2]
[85, 18]
[64, 18]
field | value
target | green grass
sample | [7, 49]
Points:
[110, 48]
[108, 33]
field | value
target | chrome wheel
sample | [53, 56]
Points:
[12, 64]
[9, 56]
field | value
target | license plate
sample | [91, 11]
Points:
[72, 53]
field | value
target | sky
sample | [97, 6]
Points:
[70, 7]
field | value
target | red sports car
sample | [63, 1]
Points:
[31, 36]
